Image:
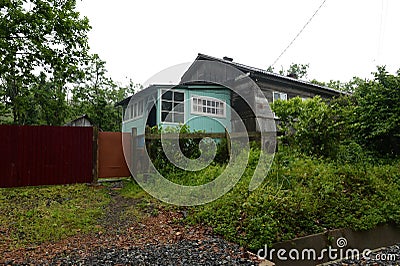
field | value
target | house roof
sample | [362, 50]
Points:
[84, 116]
[143, 92]
[257, 73]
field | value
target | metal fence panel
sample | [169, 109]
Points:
[45, 155]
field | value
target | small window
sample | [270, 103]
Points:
[134, 110]
[280, 96]
[140, 108]
[208, 106]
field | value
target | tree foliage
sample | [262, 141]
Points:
[295, 70]
[377, 116]
[370, 117]
[313, 125]
[97, 94]
[47, 75]
[42, 45]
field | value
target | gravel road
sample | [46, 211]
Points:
[389, 256]
[186, 252]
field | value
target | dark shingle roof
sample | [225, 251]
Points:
[268, 75]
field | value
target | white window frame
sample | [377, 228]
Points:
[280, 98]
[280, 95]
[162, 91]
[212, 99]
[132, 110]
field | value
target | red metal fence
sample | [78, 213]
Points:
[45, 155]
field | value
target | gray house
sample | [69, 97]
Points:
[273, 86]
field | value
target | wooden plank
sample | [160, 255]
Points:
[134, 150]
[202, 135]
[228, 142]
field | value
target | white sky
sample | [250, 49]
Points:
[138, 38]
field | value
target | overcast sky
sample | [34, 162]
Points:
[138, 38]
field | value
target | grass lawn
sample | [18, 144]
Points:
[32, 215]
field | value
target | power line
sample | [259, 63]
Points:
[302, 29]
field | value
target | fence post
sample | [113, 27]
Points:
[228, 142]
[134, 151]
[95, 154]
[147, 144]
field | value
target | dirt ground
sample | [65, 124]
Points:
[121, 228]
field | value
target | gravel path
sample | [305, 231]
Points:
[185, 252]
[389, 256]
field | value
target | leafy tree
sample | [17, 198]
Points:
[42, 45]
[97, 95]
[349, 86]
[377, 116]
[314, 126]
[296, 71]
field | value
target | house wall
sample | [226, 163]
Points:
[194, 121]
[201, 122]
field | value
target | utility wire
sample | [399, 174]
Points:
[298, 34]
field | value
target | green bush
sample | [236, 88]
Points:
[303, 195]
[314, 126]
[377, 113]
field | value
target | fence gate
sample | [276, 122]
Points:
[111, 156]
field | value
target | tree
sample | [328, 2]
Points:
[315, 126]
[43, 43]
[349, 86]
[97, 95]
[296, 71]
[377, 116]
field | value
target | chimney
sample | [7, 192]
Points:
[227, 58]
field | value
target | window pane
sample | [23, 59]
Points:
[165, 117]
[178, 96]
[213, 110]
[194, 101]
[135, 110]
[178, 118]
[204, 102]
[166, 106]
[178, 107]
[213, 103]
[140, 112]
[204, 109]
[167, 95]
